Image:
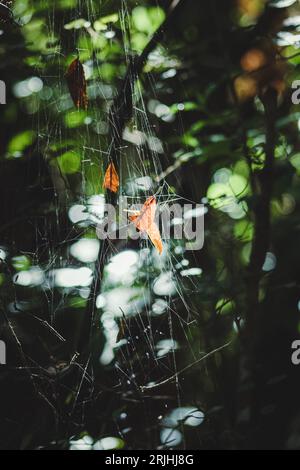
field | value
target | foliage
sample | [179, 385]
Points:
[108, 351]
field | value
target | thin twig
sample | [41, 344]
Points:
[176, 375]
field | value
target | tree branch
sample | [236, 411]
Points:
[250, 335]
[264, 184]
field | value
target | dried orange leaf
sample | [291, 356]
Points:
[111, 179]
[145, 222]
[154, 235]
[77, 84]
[145, 218]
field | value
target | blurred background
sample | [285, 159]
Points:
[107, 342]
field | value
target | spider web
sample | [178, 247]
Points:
[146, 311]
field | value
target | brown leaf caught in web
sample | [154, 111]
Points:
[144, 221]
[77, 84]
[111, 179]
[154, 235]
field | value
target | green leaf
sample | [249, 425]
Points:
[20, 142]
[69, 162]
[147, 20]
